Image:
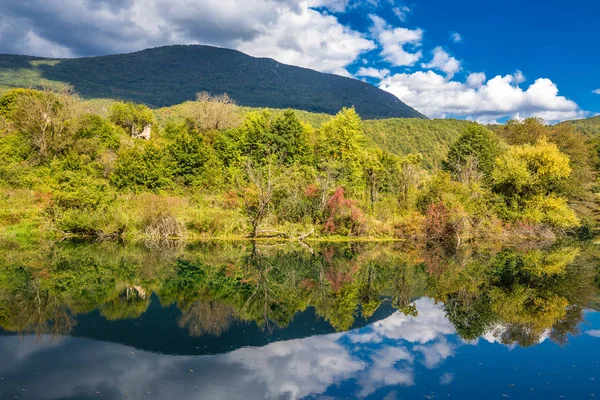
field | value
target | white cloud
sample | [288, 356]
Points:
[436, 353]
[456, 37]
[518, 77]
[597, 91]
[372, 72]
[401, 12]
[431, 324]
[386, 371]
[497, 98]
[394, 40]
[446, 378]
[594, 332]
[476, 79]
[444, 62]
[308, 39]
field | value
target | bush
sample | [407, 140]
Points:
[343, 215]
[142, 168]
[95, 127]
[216, 222]
[551, 210]
[158, 219]
[79, 191]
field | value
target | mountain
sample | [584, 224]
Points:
[588, 126]
[170, 75]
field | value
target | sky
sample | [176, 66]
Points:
[472, 59]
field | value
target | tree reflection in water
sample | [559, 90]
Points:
[517, 296]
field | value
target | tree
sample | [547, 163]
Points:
[475, 149]
[288, 138]
[581, 157]
[134, 118]
[282, 137]
[408, 177]
[255, 134]
[529, 170]
[341, 142]
[374, 172]
[48, 119]
[9, 100]
[529, 179]
[142, 168]
[214, 112]
[258, 196]
[188, 152]
[528, 131]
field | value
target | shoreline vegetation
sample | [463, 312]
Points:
[208, 169]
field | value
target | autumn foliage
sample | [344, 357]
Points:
[343, 214]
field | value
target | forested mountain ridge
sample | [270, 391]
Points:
[170, 75]
[588, 126]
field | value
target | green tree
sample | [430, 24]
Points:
[47, 119]
[189, 153]
[528, 131]
[288, 138]
[476, 148]
[340, 147]
[134, 118]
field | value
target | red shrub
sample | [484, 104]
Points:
[343, 212]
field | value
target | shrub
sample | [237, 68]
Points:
[158, 219]
[343, 215]
[95, 127]
[79, 191]
[142, 168]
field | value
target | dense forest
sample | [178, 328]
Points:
[209, 168]
[170, 75]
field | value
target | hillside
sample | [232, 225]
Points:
[431, 138]
[171, 75]
[588, 126]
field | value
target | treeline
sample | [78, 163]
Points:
[215, 173]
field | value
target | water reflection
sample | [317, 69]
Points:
[399, 354]
[239, 320]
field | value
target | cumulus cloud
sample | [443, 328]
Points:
[594, 332]
[394, 41]
[444, 62]
[371, 72]
[497, 98]
[309, 39]
[597, 91]
[291, 31]
[518, 77]
[456, 37]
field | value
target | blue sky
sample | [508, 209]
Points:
[479, 60]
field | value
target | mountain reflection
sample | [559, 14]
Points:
[392, 352]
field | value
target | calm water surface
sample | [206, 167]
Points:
[243, 321]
